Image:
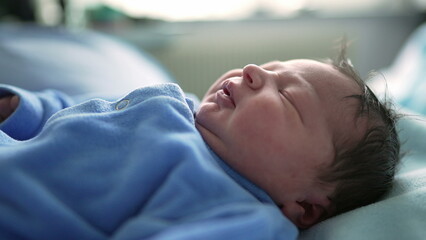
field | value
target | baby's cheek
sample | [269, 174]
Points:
[254, 130]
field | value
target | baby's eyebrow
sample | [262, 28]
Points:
[270, 65]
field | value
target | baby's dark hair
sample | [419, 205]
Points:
[365, 172]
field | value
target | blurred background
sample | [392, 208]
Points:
[198, 40]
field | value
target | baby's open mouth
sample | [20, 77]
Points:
[227, 91]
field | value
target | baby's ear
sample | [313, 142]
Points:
[311, 214]
[304, 214]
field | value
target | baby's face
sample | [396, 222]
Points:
[278, 124]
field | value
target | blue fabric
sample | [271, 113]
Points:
[135, 168]
[32, 112]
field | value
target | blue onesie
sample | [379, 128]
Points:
[136, 168]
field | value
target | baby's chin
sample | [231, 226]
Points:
[204, 111]
[211, 139]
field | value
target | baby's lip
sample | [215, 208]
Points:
[227, 90]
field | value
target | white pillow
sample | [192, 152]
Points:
[35, 58]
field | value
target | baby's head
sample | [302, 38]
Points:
[311, 134]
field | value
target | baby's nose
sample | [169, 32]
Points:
[254, 76]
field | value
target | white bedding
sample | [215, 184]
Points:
[401, 214]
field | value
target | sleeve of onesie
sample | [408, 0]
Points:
[32, 112]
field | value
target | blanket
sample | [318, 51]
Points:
[135, 168]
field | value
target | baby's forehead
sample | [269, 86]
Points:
[299, 65]
[325, 78]
[316, 72]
